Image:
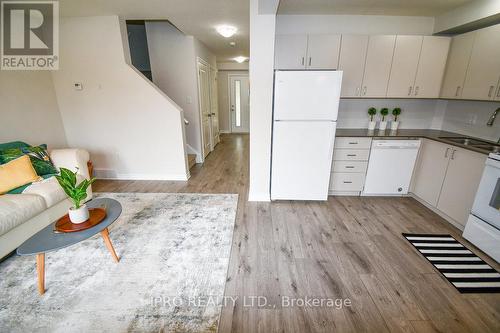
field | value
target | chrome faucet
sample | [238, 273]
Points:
[492, 117]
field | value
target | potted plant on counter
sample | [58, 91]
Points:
[77, 193]
[395, 123]
[383, 123]
[372, 112]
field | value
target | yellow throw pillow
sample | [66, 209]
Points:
[17, 173]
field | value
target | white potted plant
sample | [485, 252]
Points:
[371, 124]
[383, 123]
[395, 123]
[77, 193]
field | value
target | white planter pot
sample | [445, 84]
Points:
[79, 215]
[372, 125]
[394, 125]
[382, 125]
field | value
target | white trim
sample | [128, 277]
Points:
[147, 176]
[262, 197]
[224, 132]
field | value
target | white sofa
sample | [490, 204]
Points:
[22, 215]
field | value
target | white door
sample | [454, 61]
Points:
[431, 67]
[457, 63]
[290, 52]
[240, 103]
[214, 106]
[378, 66]
[205, 112]
[404, 66]
[301, 159]
[484, 67]
[352, 63]
[323, 51]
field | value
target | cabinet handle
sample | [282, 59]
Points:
[364, 90]
[409, 90]
[416, 90]
[353, 143]
[357, 91]
[453, 154]
[347, 182]
[349, 167]
[490, 91]
[456, 92]
[310, 59]
[302, 61]
[351, 155]
[446, 152]
[498, 91]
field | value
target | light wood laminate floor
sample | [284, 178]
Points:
[348, 248]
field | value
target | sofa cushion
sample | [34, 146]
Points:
[20, 189]
[38, 156]
[16, 209]
[49, 189]
[13, 144]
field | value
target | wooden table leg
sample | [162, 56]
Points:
[40, 267]
[109, 245]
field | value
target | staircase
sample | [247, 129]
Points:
[191, 160]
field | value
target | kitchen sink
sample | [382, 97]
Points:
[463, 140]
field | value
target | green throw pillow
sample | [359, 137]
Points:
[38, 156]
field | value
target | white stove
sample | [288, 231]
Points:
[483, 226]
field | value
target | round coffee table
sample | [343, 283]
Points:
[47, 240]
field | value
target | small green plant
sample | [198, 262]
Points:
[372, 112]
[384, 112]
[396, 112]
[77, 193]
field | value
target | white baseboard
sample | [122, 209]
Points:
[146, 176]
[262, 197]
[224, 131]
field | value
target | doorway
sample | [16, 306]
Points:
[239, 92]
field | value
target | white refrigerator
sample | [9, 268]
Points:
[304, 122]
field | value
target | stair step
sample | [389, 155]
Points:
[191, 160]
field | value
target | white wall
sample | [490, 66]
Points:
[223, 99]
[470, 118]
[354, 24]
[132, 129]
[173, 64]
[262, 36]
[28, 109]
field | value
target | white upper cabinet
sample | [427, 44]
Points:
[323, 51]
[307, 51]
[290, 52]
[404, 66]
[352, 63]
[431, 67]
[456, 67]
[378, 66]
[482, 76]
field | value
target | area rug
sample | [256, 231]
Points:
[459, 265]
[174, 255]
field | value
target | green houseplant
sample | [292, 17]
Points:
[79, 213]
[395, 123]
[383, 123]
[371, 124]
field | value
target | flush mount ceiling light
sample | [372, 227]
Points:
[226, 30]
[240, 59]
[232, 44]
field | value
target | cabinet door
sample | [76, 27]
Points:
[430, 170]
[323, 51]
[484, 67]
[404, 66]
[497, 96]
[352, 63]
[456, 67]
[378, 66]
[431, 67]
[290, 52]
[461, 183]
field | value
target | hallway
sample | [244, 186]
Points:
[348, 248]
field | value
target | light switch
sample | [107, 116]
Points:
[78, 86]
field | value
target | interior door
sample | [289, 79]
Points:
[214, 106]
[352, 63]
[205, 112]
[240, 103]
[290, 52]
[378, 66]
[323, 51]
[404, 66]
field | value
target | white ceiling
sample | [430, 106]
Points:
[193, 17]
[369, 7]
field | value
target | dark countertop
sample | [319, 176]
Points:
[435, 135]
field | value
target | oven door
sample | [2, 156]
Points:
[487, 202]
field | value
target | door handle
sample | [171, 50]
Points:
[416, 90]
[446, 152]
[453, 154]
[409, 90]
[213, 113]
[457, 91]
[490, 91]
[209, 115]
[232, 108]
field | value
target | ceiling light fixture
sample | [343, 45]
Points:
[240, 59]
[226, 30]
[232, 44]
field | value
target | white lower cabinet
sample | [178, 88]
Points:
[447, 177]
[350, 161]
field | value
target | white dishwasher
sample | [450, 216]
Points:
[390, 167]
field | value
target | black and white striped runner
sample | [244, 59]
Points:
[466, 271]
